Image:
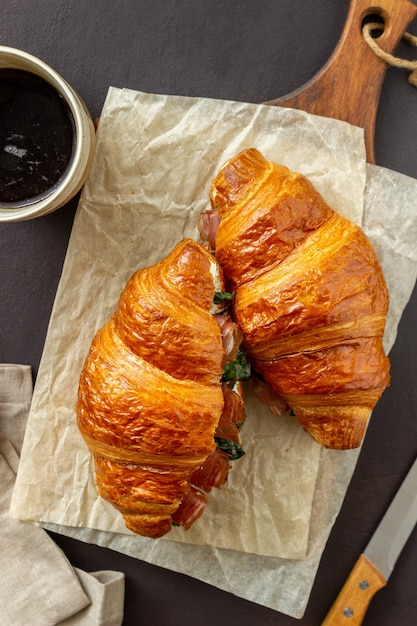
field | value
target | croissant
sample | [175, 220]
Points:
[311, 299]
[151, 405]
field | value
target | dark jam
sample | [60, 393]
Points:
[36, 137]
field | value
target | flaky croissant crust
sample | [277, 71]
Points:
[149, 395]
[311, 298]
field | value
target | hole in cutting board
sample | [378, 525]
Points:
[375, 18]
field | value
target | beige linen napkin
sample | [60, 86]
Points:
[39, 586]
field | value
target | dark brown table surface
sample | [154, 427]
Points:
[242, 50]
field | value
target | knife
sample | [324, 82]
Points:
[374, 566]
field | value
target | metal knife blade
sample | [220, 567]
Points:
[374, 566]
[395, 527]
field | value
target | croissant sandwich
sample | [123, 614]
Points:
[310, 297]
[159, 400]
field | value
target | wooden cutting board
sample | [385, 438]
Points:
[349, 86]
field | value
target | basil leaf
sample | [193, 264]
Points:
[237, 370]
[233, 449]
[220, 297]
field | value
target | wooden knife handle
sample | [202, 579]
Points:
[348, 87]
[352, 602]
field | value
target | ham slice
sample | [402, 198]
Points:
[213, 472]
[191, 508]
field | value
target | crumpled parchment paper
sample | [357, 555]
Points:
[262, 535]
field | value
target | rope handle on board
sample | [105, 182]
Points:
[389, 58]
